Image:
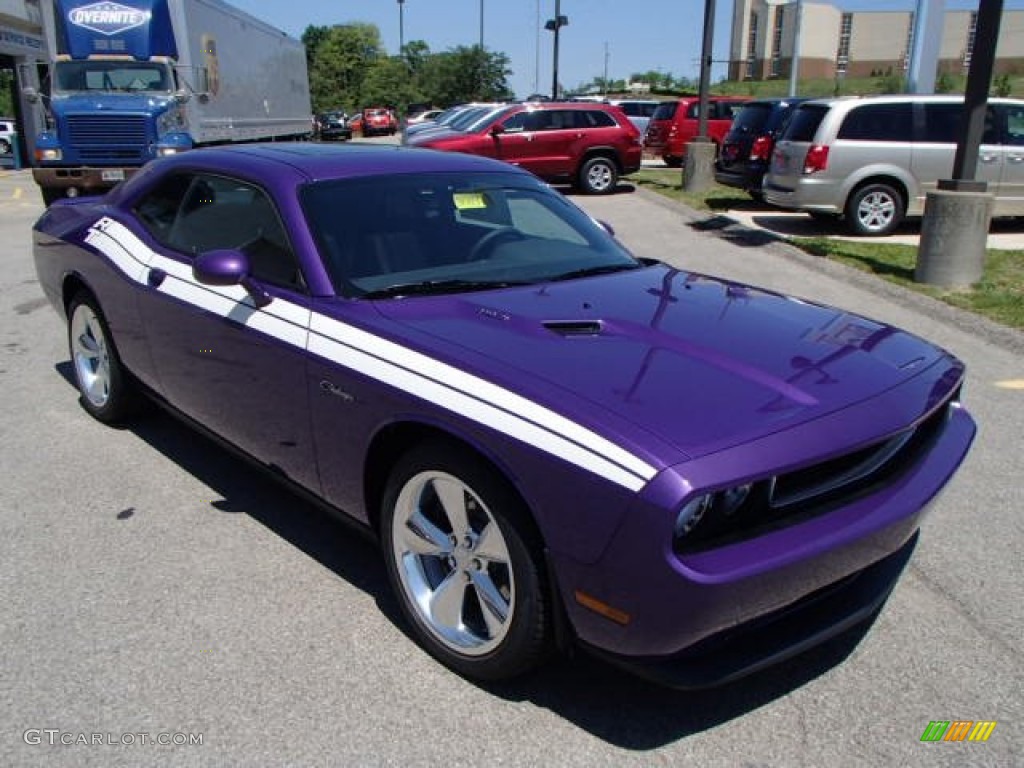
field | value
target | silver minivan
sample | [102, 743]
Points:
[872, 160]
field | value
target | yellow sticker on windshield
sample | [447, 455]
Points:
[466, 201]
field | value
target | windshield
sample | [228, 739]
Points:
[132, 76]
[439, 233]
[468, 117]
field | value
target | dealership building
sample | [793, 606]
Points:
[23, 51]
[835, 43]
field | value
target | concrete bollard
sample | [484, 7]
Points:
[954, 234]
[698, 165]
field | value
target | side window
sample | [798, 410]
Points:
[693, 110]
[1014, 124]
[158, 209]
[518, 122]
[214, 212]
[595, 118]
[878, 122]
[942, 125]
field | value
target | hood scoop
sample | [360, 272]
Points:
[575, 327]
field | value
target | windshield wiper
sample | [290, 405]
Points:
[604, 269]
[429, 287]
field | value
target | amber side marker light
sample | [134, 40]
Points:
[602, 608]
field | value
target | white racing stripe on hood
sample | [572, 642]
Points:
[390, 363]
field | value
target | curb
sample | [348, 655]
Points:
[717, 225]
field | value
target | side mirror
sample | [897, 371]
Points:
[497, 130]
[31, 94]
[182, 96]
[228, 267]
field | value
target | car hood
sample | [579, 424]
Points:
[701, 363]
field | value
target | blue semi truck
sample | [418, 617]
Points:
[136, 79]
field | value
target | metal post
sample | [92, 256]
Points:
[481, 25]
[401, 26]
[979, 78]
[705, 68]
[794, 68]
[554, 68]
[604, 85]
[700, 153]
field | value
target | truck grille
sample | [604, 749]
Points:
[108, 137]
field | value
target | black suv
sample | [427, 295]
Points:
[333, 125]
[746, 151]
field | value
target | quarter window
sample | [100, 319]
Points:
[195, 213]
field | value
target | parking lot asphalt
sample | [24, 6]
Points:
[154, 584]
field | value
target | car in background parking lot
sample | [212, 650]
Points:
[872, 160]
[333, 125]
[639, 111]
[584, 143]
[8, 134]
[379, 121]
[746, 151]
[674, 124]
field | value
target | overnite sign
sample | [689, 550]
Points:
[108, 18]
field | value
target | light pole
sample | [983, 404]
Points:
[401, 26]
[481, 25]
[794, 67]
[554, 25]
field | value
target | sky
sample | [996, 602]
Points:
[640, 35]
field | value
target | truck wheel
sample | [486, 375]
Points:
[51, 194]
[5, 147]
[874, 210]
[598, 176]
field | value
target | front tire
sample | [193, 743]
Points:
[874, 210]
[106, 389]
[598, 176]
[465, 563]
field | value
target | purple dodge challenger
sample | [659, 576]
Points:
[555, 442]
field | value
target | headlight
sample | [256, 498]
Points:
[691, 514]
[165, 151]
[48, 155]
[719, 505]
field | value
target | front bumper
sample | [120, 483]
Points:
[770, 639]
[86, 179]
[757, 594]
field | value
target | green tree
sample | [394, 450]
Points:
[466, 74]
[388, 83]
[341, 62]
[6, 91]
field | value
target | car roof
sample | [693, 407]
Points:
[307, 161]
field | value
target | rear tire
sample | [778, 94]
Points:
[465, 564]
[107, 390]
[598, 176]
[5, 147]
[874, 210]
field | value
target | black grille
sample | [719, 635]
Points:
[793, 497]
[108, 137]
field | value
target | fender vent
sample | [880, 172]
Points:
[575, 327]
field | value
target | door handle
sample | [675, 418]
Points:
[155, 278]
[987, 158]
[1018, 159]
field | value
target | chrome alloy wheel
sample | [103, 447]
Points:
[90, 355]
[453, 563]
[600, 177]
[876, 210]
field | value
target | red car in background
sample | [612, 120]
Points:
[674, 125]
[379, 121]
[586, 144]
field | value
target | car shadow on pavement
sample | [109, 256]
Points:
[612, 705]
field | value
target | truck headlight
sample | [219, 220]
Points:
[48, 155]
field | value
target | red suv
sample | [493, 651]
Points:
[378, 121]
[674, 125]
[588, 144]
